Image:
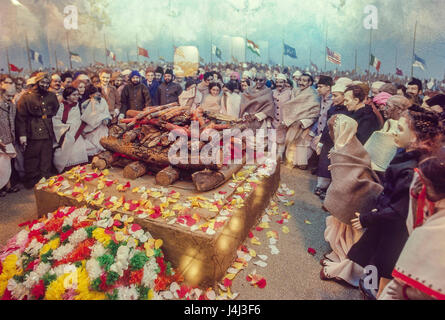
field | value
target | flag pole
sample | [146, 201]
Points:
[282, 52]
[7, 61]
[370, 50]
[137, 48]
[414, 50]
[211, 47]
[57, 63]
[69, 50]
[355, 68]
[326, 51]
[396, 58]
[27, 52]
[106, 53]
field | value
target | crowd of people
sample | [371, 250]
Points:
[376, 149]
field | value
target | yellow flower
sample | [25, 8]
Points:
[9, 270]
[100, 235]
[53, 244]
[150, 295]
[83, 287]
[56, 288]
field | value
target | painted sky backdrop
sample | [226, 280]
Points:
[160, 24]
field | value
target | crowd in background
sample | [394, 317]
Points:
[375, 144]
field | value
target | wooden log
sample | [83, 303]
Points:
[103, 160]
[167, 176]
[157, 155]
[121, 162]
[206, 180]
[134, 170]
[130, 136]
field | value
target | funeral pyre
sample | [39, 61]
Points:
[140, 144]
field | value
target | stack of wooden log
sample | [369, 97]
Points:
[140, 144]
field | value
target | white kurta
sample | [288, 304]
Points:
[93, 114]
[5, 164]
[71, 151]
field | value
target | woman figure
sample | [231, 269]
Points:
[418, 133]
[245, 84]
[7, 138]
[212, 101]
[80, 85]
[71, 150]
[96, 117]
[418, 274]
[191, 97]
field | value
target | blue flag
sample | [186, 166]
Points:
[36, 56]
[419, 62]
[289, 51]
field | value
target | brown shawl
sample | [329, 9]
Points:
[253, 102]
[302, 105]
[211, 103]
[355, 186]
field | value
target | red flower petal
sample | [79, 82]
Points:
[250, 235]
[135, 227]
[280, 221]
[262, 283]
[259, 229]
[227, 283]
[311, 251]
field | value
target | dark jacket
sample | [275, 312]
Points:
[135, 97]
[168, 93]
[35, 110]
[153, 89]
[367, 123]
[386, 232]
[328, 144]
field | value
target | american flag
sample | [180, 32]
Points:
[333, 57]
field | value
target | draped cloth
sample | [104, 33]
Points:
[191, 98]
[258, 103]
[354, 187]
[93, 115]
[70, 151]
[299, 113]
[211, 103]
[5, 164]
[230, 104]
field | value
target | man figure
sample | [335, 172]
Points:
[296, 76]
[66, 78]
[135, 95]
[159, 72]
[34, 127]
[414, 91]
[168, 91]
[56, 86]
[298, 115]
[324, 91]
[281, 95]
[203, 86]
[257, 106]
[152, 85]
[110, 93]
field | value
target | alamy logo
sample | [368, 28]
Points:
[371, 20]
[71, 18]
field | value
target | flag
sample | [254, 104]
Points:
[333, 57]
[314, 66]
[161, 58]
[216, 51]
[235, 59]
[75, 57]
[60, 63]
[419, 62]
[111, 55]
[290, 51]
[36, 56]
[253, 47]
[143, 52]
[201, 59]
[376, 63]
[15, 68]
[399, 72]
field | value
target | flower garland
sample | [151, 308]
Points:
[83, 254]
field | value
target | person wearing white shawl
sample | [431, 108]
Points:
[71, 147]
[191, 97]
[96, 116]
[231, 100]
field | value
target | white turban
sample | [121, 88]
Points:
[297, 73]
[281, 76]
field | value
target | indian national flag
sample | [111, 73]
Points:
[376, 63]
[75, 57]
[253, 47]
